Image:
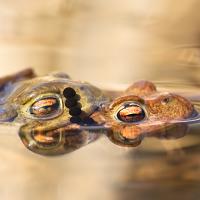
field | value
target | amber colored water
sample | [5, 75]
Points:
[157, 169]
[106, 43]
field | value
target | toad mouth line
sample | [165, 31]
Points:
[58, 115]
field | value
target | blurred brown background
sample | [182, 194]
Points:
[110, 44]
[104, 42]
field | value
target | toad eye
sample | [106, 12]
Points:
[45, 107]
[131, 113]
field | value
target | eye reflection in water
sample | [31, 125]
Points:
[62, 115]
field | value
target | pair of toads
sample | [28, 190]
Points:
[58, 115]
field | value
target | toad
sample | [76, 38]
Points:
[58, 115]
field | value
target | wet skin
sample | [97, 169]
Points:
[160, 115]
[58, 115]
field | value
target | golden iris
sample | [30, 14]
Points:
[131, 113]
[45, 107]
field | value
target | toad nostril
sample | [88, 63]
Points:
[7, 114]
[166, 100]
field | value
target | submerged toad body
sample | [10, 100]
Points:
[58, 115]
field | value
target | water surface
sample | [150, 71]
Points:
[157, 169]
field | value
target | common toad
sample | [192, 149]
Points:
[58, 115]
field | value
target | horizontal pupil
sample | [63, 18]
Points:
[45, 106]
[133, 116]
[131, 113]
[131, 110]
[45, 102]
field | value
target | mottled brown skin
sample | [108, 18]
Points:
[163, 111]
[53, 134]
[50, 131]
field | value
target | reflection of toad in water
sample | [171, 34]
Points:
[142, 111]
[58, 115]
